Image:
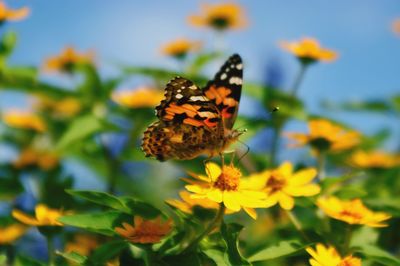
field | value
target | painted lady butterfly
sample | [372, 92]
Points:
[194, 121]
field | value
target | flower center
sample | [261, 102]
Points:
[321, 144]
[352, 214]
[219, 23]
[229, 179]
[275, 183]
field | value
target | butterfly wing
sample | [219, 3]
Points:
[225, 89]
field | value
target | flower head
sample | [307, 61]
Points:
[11, 233]
[32, 157]
[7, 14]
[145, 231]
[326, 136]
[83, 244]
[60, 108]
[68, 58]
[138, 98]
[281, 185]
[44, 216]
[328, 256]
[225, 186]
[24, 119]
[374, 159]
[352, 212]
[220, 17]
[308, 51]
[179, 48]
[188, 203]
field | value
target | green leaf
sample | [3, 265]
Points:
[280, 250]
[140, 208]
[27, 261]
[218, 256]
[80, 128]
[379, 255]
[73, 257]
[7, 43]
[182, 259]
[107, 252]
[103, 223]
[100, 198]
[351, 192]
[230, 233]
[201, 60]
[3, 259]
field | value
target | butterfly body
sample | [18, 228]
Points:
[194, 121]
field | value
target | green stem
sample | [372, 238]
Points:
[275, 145]
[214, 223]
[112, 168]
[347, 239]
[297, 224]
[321, 159]
[50, 250]
[10, 254]
[299, 79]
[149, 259]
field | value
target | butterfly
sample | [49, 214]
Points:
[194, 121]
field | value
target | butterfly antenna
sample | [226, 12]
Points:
[247, 150]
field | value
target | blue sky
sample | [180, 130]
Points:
[132, 32]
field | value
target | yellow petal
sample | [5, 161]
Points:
[303, 176]
[251, 212]
[285, 201]
[215, 195]
[213, 170]
[286, 169]
[307, 190]
[24, 218]
[230, 201]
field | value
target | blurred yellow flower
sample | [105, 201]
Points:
[220, 17]
[44, 216]
[138, 98]
[326, 136]
[351, 212]
[7, 14]
[328, 256]
[11, 233]
[374, 159]
[308, 50]
[179, 48]
[83, 244]
[226, 186]
[68, 58]
[30, 157]
[281, 185]
[62, 108]
[188, 203]
[23, 119]
[145, 231]
[396, 26]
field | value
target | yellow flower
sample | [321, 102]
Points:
[226, 186]
[44, 216]
[145, 231]
[7, 14]
[68, 58]
[374, 159]
[220, 17]
[11, 233]
[328, 256]
[138, 98]
[326, 136]
[352, 212]
[188, 203]
[43, 159]
[63, 108]
[281, 185]
[179, 48]
[396, 26]
[308, 50]
[83, 244]
[24, 120]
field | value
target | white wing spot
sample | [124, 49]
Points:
[178, 96]
[223, 76]
[179, 90]
[183, 87]
[239, 66]
[198, 98]
[232, 66]
[235, 80]
[193, 87]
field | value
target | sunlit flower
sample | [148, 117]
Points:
[374, 159]
[281, 185]
[83, 244]
[62, 108]
[10, 233]
[226, 186]
[68, 58]
[145, 231]
[7, 14]
[179, 48]
[308, 51]
[44, 216]
[328, 256]
[138, 98]
[188, 203]
[326, 136]
[31, 157]
[23, 119]
[396, 26]
[352, 212]
[220, 17]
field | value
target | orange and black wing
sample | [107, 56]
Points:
[225, 89]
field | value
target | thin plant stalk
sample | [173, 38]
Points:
[347, 239]
[299, 79]
[275, 145]
[50, 250]
[295, 221]
[321, 160]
